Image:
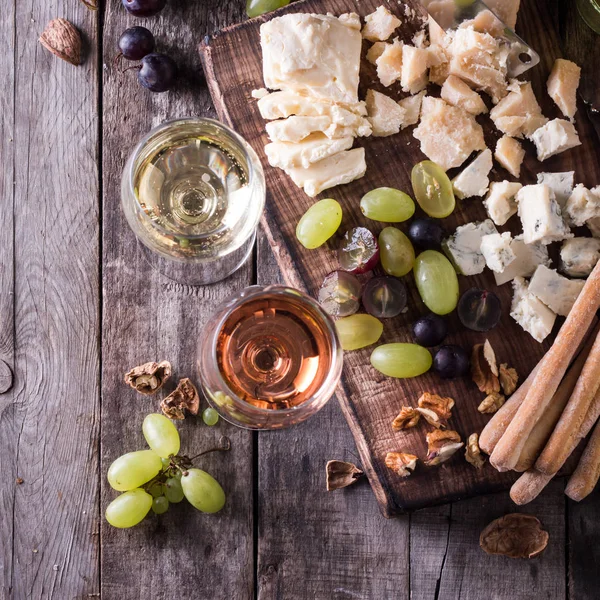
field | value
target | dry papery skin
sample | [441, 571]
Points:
[509, 378]
[401, 463]
[407, 417]
[341, 474]
[515, 535]
[149, 377]
[183, 398]
[491, 403]
[435, 409]
[441, 445]
[484, 370]
[473, 453]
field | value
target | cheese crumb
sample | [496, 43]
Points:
[259, 93]
[554, 137]
[380, 25]
[389, 63]
[375, 51]
[519, 113]
[412, 108]
[510, 154]
[456, 92]
[500, 202]
[582, 206]
[562, 86]
[385, 114]
[415, 62]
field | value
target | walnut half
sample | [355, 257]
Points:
[407, 417]
[435, 409]
[401, 463]
[484, 369]
[149, 377]
[491, 403]
[515, 535]
[508, 379]
[473, 452]
[341, 474]
[441, 445]
[183, 398]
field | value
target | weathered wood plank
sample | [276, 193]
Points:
[8, 431]
[313, 543]
[56, 396]
[145, 317]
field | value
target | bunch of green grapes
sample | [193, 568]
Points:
[153, 479]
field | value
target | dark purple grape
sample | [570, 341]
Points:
[430, 330]
[479, 310]
[136, 42]
[339, 294]
[158, 72]
[144, 8]
[384, 297]
[451, 361]
[426, 233]
[359, 251]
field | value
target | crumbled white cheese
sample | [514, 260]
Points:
[456, 92]
[464, 247]
[579, 256]
[529, 312]
[510, 154]
[554, 137]
[500, 202]
[412, 108]
[389, 63]
[519, 113]
[560, 183]
[582, 206]
[415, 62]
[527, 259]
[380, 25]
[385, 114]
[473, 180]
[562, 86]
[557, 292]
[448, 134]
[312, 149]
[497, 251]
[540, 215]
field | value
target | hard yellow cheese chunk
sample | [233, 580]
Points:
[380, 25]
[510, 154]
[562, 85]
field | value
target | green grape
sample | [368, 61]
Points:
[387, 204]
[129, 508]
[166, 463]
[358, 331]
[319, 223]
[401, 360]
[433, 189]
[210, 417]
[260, 7]
[160, 505]
[396, 253]
[162, 436]
[133, 470]
[437, 282]
[156, 490]
[203, 491]
[173, 490]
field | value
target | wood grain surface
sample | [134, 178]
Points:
[369, 400]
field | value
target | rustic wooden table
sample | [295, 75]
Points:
[78, 306]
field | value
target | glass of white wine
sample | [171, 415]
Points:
[193, 191]
[590, 13]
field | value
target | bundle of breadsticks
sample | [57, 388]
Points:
[538, 428]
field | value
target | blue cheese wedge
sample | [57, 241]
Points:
[497, 251]
[560, 183]
[530, 312]
[557, 292]
[554, 137]
[464, 247]
[582, 206]
[527, 259]
[500, 202]
[540, 215]
[579, 256]
[473, 180]
[315, 147]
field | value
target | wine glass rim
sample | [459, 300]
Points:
[255, 172]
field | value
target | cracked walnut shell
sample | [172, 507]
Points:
[508, 379]
[148, 378]
[401, 463]
[407, 417]
[183, 398]
[62, 39]
[435, 409]
[484, 369]
[341, 474]
[491, 403]
[441, 445]
[473, 452]
[515, 535]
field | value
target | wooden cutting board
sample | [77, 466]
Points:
[233, 67]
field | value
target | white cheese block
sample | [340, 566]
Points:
[385, 114]
[579, 256]
[557, 292]
[530, 313]
[540, 215]
[519, 113]
[560, 183]
[464, 247]
[314, 148]
[448, 134]
[375, 51]
[338, 169]
[279, 105]
[527, 259]
[415, 62]
[497, 251]
[500, 202]
[315, 54]
[412, 108]
[380, 25]
[473, 180]
[582, 206]
[456, 92]
[562, 86]
[389, 63]
[554, 137]
[510, 154]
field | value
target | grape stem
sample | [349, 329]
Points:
[225, 445]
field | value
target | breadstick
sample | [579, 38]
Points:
[586, 475]
[556, 451]
[544, 427]
[532, 482]
[546, 382]
[497, 425]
